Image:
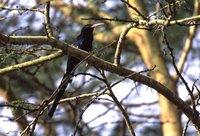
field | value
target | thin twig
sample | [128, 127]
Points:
[135, 9]
[160, 9]
[82, 96]
[185, 128]
[188, 42]
[196, 113]
[81, 115]
[34, 9]
[33, 123]
[118, 104]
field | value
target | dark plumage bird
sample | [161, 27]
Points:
[84, 42]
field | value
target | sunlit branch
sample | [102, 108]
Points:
[31, 62]
[119, 44]
[47, 19]
[82, 96]
[189, 21]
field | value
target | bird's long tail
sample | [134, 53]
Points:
[60, 91]
[67, 78]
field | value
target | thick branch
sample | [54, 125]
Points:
[105, 65]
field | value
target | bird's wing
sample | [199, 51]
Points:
[78, 41]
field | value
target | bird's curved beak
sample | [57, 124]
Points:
[97, 24]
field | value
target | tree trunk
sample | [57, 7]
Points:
[149, 46]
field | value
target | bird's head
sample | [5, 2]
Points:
[88, 29]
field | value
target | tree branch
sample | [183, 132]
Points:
[189, 21]
[105, 65]
[119, 44]
[47, 19]
[31, 62]
[134, 8]
[118, 104]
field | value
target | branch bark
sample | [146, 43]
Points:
[30, 63]
[105, 65]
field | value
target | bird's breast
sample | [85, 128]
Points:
[86, 46]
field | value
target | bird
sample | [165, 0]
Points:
[84, 42]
